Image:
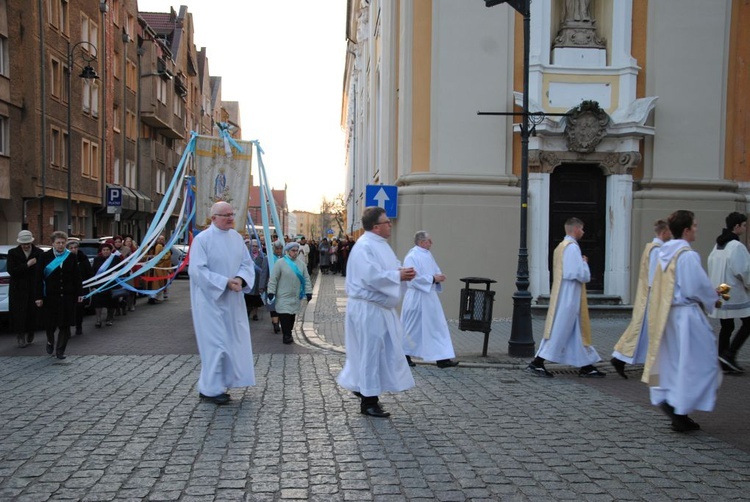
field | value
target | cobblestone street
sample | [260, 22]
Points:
[131, 426]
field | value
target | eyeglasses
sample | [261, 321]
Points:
[386, 222]
[227, 215]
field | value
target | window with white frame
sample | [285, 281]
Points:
[64, 151]
[4, 64]
[94, 98]
[85, 158]
[4, 136]
[86, 96]
[117, 119]
[116, 172]
[116, 12]
[64, 17]
[158, 181]
[95, 161]
[131, 78]
[54, 146]
[56, 78]
[84, 29]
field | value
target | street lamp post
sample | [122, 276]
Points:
[87, 73]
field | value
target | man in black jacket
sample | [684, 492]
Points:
[59, 290]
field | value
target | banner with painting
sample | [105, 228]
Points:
[222, 173]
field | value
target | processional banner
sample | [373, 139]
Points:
[222, 177]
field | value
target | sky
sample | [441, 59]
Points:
[284, 62]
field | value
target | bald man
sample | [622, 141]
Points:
[221, 270]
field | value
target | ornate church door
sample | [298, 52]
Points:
[579, 190]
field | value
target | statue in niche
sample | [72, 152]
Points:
[577, 10]
[578, 26]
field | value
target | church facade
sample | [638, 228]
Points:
[643, 110]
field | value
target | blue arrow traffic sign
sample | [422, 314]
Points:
[385, 196]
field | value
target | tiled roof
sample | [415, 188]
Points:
[160, 22]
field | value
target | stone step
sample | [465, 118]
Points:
[600, 306]
[593, 299]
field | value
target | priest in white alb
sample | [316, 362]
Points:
[567, 330]
[375, 361]
[682, 366]
[221, 270]
[426, 333]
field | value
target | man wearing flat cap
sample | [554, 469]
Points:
[22, 261]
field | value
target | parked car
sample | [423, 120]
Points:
[89, 247]
[179, 251]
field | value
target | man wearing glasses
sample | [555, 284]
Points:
[375, 282]
[220, 272]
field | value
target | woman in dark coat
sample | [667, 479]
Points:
[22, 262]
[85, 267]
[59, 290]
[104, 261]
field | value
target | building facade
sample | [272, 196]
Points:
[654, 93]
[65, 139]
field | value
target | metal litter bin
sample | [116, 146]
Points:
[475, 313]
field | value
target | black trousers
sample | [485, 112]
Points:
[287, 324]
[725, 335]
[62, 338]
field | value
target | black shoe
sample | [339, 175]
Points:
[220, 399]
[50, 348]
[539, 371]
[22, 341]
[447, 363]
[276, 327]
[60, 355]
[79, 331]
[108, 322]
[683, 423]
[288, 339]
[619, 367]
[410, 362]
[98, 324]
[255, 318]
[730, 363]
[375, 411]
[591, 372]
[29, 338]
[668, 410]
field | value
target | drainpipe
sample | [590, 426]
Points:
[103, 8]
[43, 56]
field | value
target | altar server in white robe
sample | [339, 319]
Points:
[567, 330]
[375, 361]
[729, 263]
[426, 333]
[682, 367]
[221, 270]
[632, 346]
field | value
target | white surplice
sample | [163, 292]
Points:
[731, 265]
[219, 314]
[565, 343]
[426, 333]
[687, 361]
[641, 349]
[375, 361]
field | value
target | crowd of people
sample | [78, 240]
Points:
[669, 332]
[49, 286]
[233, 280]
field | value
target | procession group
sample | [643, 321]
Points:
[669, 332]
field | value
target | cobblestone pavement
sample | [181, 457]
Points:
[130, 426]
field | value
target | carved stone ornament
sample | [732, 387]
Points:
[585, 127]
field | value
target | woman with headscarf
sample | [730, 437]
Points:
[289, 284]
[253, 300]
